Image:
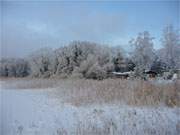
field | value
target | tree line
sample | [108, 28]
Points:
[91, 60]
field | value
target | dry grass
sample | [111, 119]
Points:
[110, 91]
[115, 91]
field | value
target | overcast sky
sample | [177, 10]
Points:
[28, 26]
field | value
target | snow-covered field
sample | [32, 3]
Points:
[39, 112]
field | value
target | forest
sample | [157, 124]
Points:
[84, 59]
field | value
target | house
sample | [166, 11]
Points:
[151, 73]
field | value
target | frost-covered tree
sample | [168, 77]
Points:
[22, 68]
[96, 72]
[80, 56]
[14, 67]
[143, 54]
[42, 62]
[91, 68]
[119, 63]
[86, 65]
[70, 57]
[171, 51]
[158, 66]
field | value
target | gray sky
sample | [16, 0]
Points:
[28, 26]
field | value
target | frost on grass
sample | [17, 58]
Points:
[46, 116]
[87, 92]
[89, 107]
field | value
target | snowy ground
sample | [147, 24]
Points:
[37, 112]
